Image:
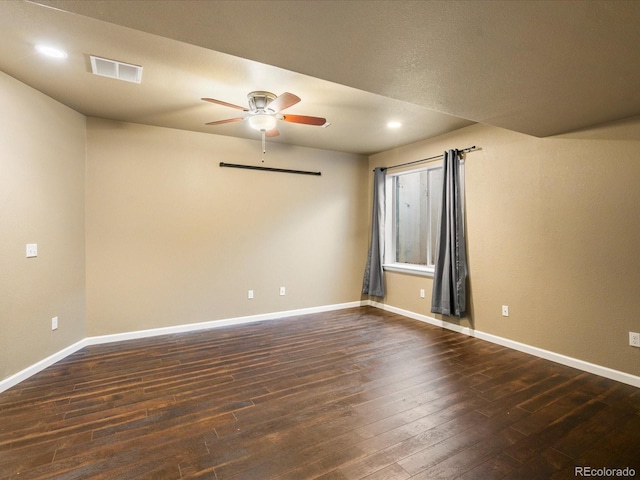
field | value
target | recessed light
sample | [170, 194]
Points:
[50, 51]
[394, 124]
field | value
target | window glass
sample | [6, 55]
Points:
[413, 218]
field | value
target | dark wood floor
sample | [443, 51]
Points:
[358, 393]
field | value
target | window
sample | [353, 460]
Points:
[412, 219]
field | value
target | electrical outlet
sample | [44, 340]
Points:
[505, 310]
[282, 291]
[54, 323]
[422, 293]
[634, 339]
[250, 294]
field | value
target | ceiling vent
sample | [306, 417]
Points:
[118, 70]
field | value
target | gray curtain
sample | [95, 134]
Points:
[449, 279]
[373, 283]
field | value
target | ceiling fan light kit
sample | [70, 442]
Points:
[262, 121]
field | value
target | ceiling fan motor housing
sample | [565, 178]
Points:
[259, 101]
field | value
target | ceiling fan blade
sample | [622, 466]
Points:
[228, 120]
[304, 119]
[273, 132]
[285, 100]
[225, 104]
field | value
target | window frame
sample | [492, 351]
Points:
[389, 263]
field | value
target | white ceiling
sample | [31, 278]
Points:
[540, 68]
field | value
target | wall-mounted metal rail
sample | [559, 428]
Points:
[269, 169]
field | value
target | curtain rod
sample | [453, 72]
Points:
[464, 150]
[269, 169]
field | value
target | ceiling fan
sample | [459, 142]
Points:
[265, 110]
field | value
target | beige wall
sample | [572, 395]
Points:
[42, 155]
[553, 229]
[172, 238]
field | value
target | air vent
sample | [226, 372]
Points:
[118, 70]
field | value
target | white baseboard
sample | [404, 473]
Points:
[13, 380]
[118, 337]
[610, 373]
[192, 327]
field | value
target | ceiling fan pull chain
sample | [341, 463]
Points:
[264, 147]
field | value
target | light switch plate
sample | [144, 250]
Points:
[32, 250]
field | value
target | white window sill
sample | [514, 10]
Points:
[408, 268]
